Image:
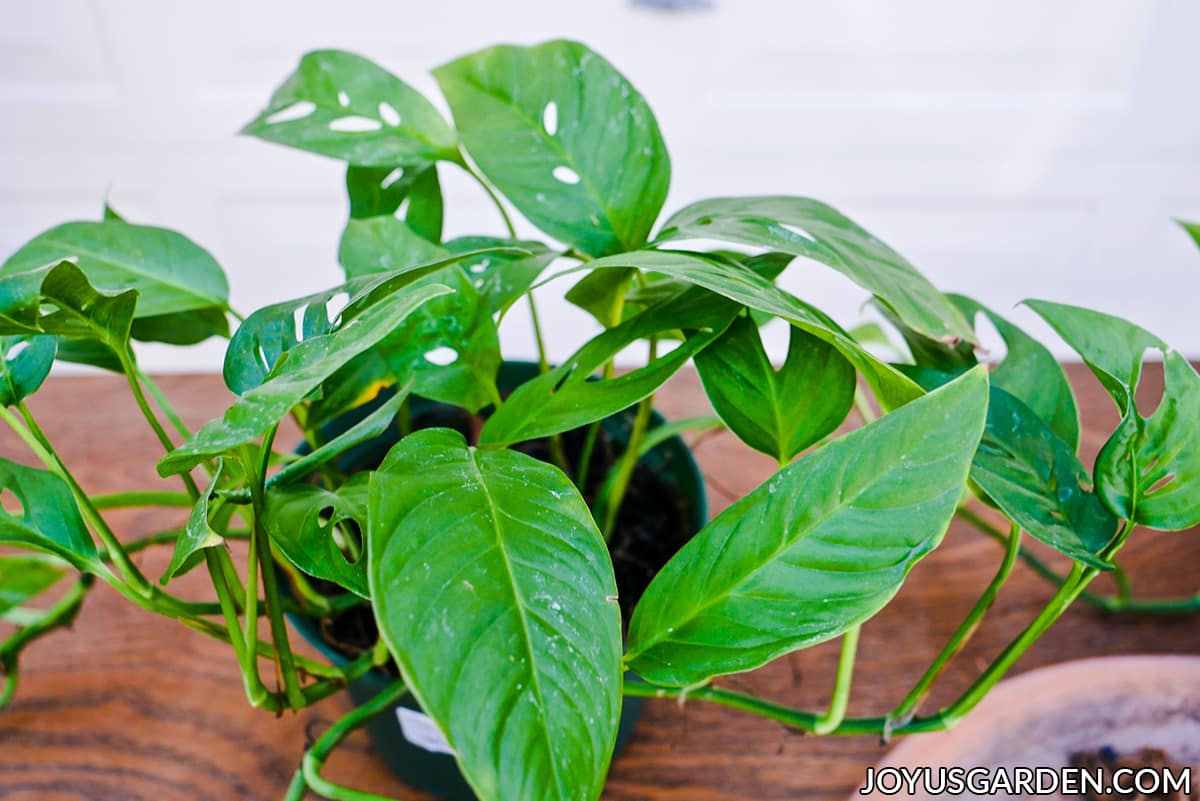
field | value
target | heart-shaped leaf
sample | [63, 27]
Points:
[42, 514]
[779, 412]
[805, 227]
[302, 520]
[504, 624]
[25, 361]
[565, 137]
[816, 550]
[412, 193]
[23, 578]
[341, 105]
[299, 372]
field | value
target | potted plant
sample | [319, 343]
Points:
[474, 533]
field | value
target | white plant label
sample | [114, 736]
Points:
[420, 730]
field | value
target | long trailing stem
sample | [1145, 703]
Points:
[841, 687]
[59, 615]
[309, 775]
[903, 713]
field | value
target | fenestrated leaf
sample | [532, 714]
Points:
[805, 227]
[25, 361]
[47, 518]
[382, 244]
[1030, 372]
[169, 271]
[300, 371]
[341, 105]
[565, 137]
[198, 535]
[746, 287]
[502, 279]
[1149, 471]
[1038, 481]
[302, 520]
[378, 191]
[505, 624]
[23, 578]
[816, 550]
[779, 412]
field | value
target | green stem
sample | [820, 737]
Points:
[841, 687]
[309, 774]
[491, 193]
[905, 710]
[124, 500]
[629, 458]
[60, 614]
[165, 404]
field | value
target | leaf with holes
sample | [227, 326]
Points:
[805, 227]
[299, 372]
[44, 516]
[25, 361]
[170, 272]
[198, 535]
[816, 550]
[748, 288]
[411, 193]
[1036, 479]
[306, 523]
[1149, 470]
[23, 578]
[502, 279]
[565, 137]
[778, 412]
[504, 625]
[341, 105]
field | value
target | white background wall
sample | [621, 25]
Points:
[1009, 149]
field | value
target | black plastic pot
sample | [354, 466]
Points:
[406, 739]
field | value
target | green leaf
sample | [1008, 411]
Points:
[805, 227]
[299, 372]
[302, 520]
[565, 137]
[383, 244]
[25, 361]
[816, 550]
[1149, 470]
[23, 578]
[169, 271]
[1192, 228]
[502, 279]
[505, 624]
[601, 293]
[1031, 373]
[341, 105]
[752, 290]
[44, 516]
[182, 328]
[379, 191]
[79, 311]
[198, 534]
[778, 412]
[1036, 479]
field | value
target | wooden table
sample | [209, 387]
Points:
[132, 707]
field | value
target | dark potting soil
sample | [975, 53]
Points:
[654, 522]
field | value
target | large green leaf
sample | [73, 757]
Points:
[300, 371]
[1030, 372]
[303, 520]
[504, 622]
[170, 272]
[341, 105]
[752, 290]
[25, 361]
[1149, 471]
[565, 137]
[816, 550]
[198, 535]
[1036, 479]
[23, 578]
[412, 193]
[779, 412]
[41, 514]
[502, 279]
[805, 227]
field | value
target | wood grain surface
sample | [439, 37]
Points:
[132, 707]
